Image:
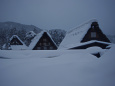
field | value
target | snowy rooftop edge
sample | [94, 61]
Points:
[81, 25]
[81, 44]
[37, 38]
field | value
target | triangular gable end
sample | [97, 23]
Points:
[84, 34]
[43, 41]
[95, 33]
[15, 40]
[16, 43]
[76, 35]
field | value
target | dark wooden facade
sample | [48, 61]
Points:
[45, 43]
[95, 33]
[15, 41]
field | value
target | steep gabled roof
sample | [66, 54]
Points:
[15, 36]
[17, 47]
[37, 38]
[74, 36]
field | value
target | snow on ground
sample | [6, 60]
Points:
[56, 68]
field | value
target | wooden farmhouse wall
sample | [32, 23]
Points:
[95, 33]
[45, 43]
[15, 41]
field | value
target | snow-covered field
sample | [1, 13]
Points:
[57, 68]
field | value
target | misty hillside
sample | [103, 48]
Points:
[18, 26]
[7, 29]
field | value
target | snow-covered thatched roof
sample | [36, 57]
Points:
[15, 36]
[74, 37]
[18, 47]
[37, 38]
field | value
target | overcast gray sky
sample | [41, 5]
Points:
[59, 14]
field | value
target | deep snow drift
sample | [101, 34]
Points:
[57, 68]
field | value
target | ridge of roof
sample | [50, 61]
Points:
[75, 35]
[37, 38]
[17, 38]
[83, 24]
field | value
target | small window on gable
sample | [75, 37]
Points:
[44, 44]
[49, 44]
[97, 26]
[51, 48]
[93, 27]
[38, 48]
[44, 48]
[44, 40]
[93, 34]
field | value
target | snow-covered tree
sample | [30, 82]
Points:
[57, 35]
[29, 36]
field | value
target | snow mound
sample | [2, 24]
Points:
[30, 34]
[67, 68]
